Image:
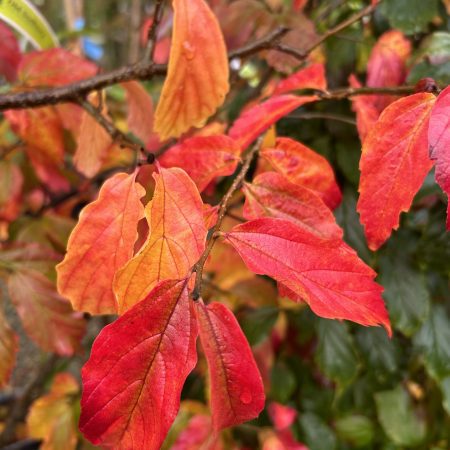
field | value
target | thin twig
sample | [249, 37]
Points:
[223, 207]
[348, 92]
[153, 32]
[326, 116]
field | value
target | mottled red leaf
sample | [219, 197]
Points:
[8, 349]
[138, 365]
[259, 118]
[198, 435]
[9, 53]
[312, 77]
[175, 242]
[100, 244]
[237, 392]
[46, 317]
[204, 158]
[197, 78]
[394, 163]
[140, 110]
[439, 142]
[303, 166]
[54, 67]
[271, 195]
[326, 274]
[11, 181]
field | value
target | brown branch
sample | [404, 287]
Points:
[153, 31]
[348, 92]
[223, 207]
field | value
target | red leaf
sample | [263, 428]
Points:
[140, 110]
[303, 166]
[8, 350]
[282, 416]
[271, 195]
[11, 182]
[9, 53]
[46, 317]
[365, 108]
[204, 158]
[175, 242]
[327, 274]
[197, 78]
[394, 163]
[259, 118]
[100, 244]
[138, 365]
[54, 67]
[237, 392]
[439, 142]
[312, 77]
[198, 435]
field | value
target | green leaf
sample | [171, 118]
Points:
[433, 342]
[258, 323]
[336, 355]
[398, 419]
[410, 16]
[282, 383]
[317, 434]
[406, 294]
[357, 430]
[379, 351]
[445, 388]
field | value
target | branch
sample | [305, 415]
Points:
[223, 207]
[153, 31]
[347, 92]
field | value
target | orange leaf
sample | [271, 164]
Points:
[8, 349]
[140, 110]
[11, 181]
[52, 417]
[259, 118]
[394, 163]
[204, 158]
[175, 243]
[46, 317]
[303, 166]
[237, 392]
[100, 244]
[325, 273]
[138, 365]
[312, 77]
[197, 79]
[271, 195]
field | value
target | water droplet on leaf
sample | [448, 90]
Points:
[188, 50]
[246, 397]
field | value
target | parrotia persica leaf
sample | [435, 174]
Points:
[326, 273]
[394, 163]
[237, 391]
[46, 317]
[138, 365]
[271, 195]
[303, 166]
[257, 119]
[8, 349]
[175, 242]
[197, 78]
[439, 142]
[100, 244]
[312, 77]
[204, 158]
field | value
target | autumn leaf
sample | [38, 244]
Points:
[197, 78]
[101, 243]
[311, 77]
[271, 195]
[8, 349]
[394, 163]
[439, 142]
[326, 273]
[237, 392]
[257, 119]
[11, 182]
[138, 365]
[140, 110]
[54, 67]
[52, 417]
[175, 242]
[9, 53]
[303, 166]
[282, 416]
[46, 317]
[198, 435]
[204, 158]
